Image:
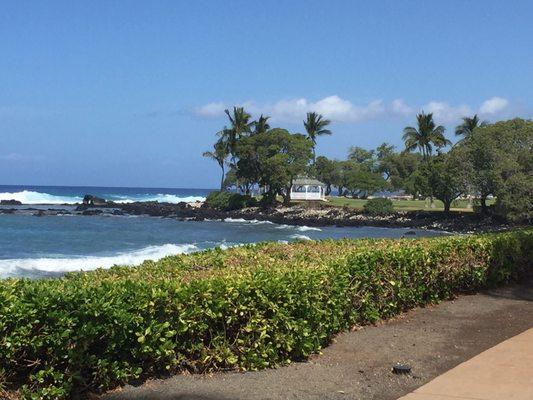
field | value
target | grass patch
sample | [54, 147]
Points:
[247, 308]
[401, 205]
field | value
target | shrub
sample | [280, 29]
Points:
[378, 206]
[227, 201]
[248, 307]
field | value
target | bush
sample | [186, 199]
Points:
[228, 201]
[248, 307]
[378, 206]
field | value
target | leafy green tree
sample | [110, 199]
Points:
[362, 156]
[500, 156]
[315, 126]
[398, 169]
[325, 171]
[220, 153]
[442, 178]
[275, 158]
[425, 136]
[362, 182]
[468, 125]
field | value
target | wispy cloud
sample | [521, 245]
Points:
[18, 157]
[342, 110]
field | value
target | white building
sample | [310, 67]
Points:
[308, 189]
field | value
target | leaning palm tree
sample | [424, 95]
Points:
[315, 126]
[426, 136]
[468, 126]
[261, 125]
[240, 125]
[219, 154]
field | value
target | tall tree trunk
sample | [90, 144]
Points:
[483, 201]
[222, 180]
[447, 205]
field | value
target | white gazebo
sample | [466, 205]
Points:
[308, 189]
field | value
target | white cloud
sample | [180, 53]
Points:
[444, 112]
[399, 106]
[341, 110]
[493, 105]
[294, 110]
[210, 110]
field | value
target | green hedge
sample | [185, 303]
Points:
[228, 201]
[249, 307]
[378, 206]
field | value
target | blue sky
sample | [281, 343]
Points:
[126, 93]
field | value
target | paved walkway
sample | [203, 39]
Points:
[503, 372]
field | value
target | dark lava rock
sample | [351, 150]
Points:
[410, 233]
[92, 212]
[90, 200]
[10, 203]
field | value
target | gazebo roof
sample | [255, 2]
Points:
[303, 180]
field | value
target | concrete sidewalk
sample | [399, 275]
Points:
[503, 372]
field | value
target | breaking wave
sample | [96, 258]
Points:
[32, 197]
[55, 266]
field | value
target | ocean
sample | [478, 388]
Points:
[40, 247]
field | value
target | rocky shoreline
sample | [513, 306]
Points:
[310, 215]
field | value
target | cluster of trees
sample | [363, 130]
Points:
[488, 160]
[258, 155]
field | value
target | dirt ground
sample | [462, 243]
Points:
[358, 364]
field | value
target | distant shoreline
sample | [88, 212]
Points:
[298, 215]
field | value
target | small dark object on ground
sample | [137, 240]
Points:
[401, 369]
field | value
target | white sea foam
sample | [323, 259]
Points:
[162, 198]
[308, 228]
[14, 267]
[298, 236]
[31, 197]
[298, 228]
[247, 221]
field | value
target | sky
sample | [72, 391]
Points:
[130, 93]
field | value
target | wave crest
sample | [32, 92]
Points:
[32, 197]
[36, 266]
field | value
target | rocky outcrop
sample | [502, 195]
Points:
[10, 203]
[90, 200]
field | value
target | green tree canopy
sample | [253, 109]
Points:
[274, 158]
[315, 126]
[425, 136]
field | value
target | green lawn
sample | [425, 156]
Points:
[401, 205]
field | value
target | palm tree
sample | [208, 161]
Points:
[315, 126]
[425, 136]
[261, 125]
[240, 125]
[468, 126]
[219, 154]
